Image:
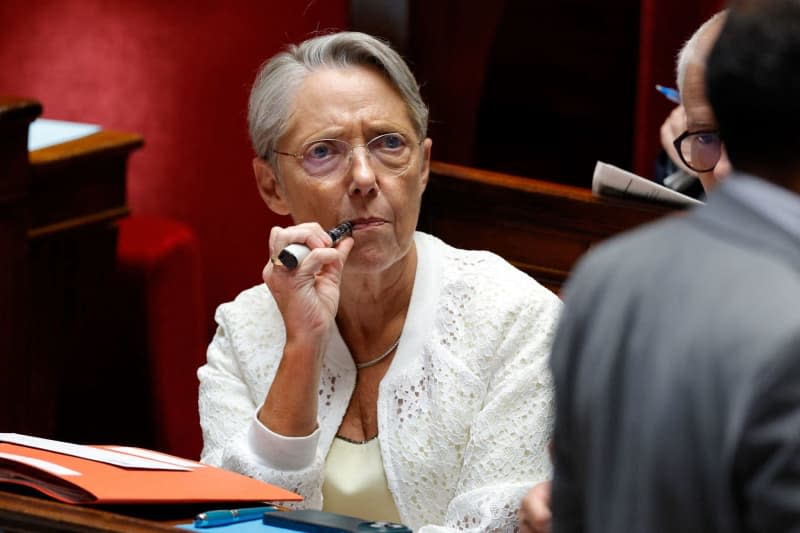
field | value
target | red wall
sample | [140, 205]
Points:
[178, 73]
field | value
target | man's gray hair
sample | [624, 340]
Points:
[280, 78]
[695, 51]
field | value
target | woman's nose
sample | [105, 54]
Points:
[363, 178]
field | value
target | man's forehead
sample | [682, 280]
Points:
[699, 114]
[700, 117]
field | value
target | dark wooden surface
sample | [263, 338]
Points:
[57, 211]
[540, 227]
[22, 513]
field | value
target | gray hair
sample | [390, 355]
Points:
[280, 78]
[695, 51]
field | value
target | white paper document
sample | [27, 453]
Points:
[47, 466]
[44, 132]
[89, 452]
[614, 181]
[156, 456]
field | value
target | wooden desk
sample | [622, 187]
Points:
[540, 227]
[19, 513]
[58, 242]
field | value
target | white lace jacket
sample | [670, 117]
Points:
[464, 411]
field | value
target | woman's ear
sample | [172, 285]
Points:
[426, 162]
[269, 187]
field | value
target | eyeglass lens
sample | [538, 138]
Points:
[389, 153]
[701, 151]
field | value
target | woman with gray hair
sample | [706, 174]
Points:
[380, 373]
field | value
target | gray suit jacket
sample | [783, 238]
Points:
[677, 374]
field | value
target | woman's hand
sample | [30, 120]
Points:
[308, 298]
[534, 511]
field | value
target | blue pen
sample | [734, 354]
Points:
[231, 516]
[671, 94]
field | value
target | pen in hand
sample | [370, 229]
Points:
[293, 255]
[224, 517]
[669, 93]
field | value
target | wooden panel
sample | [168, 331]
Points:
[81, 182]
[15, 116]
[77, 193]
[540, 227]
[21, 513]
[57, 211]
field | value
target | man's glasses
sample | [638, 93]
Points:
[330, 159]
[699, 150]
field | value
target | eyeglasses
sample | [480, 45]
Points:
[330, 159]
[699, 150]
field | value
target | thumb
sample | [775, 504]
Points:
[344, 247]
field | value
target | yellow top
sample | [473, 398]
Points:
[355, 483]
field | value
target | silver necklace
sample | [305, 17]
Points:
[381, 357]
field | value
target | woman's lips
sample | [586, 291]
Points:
[364, 223]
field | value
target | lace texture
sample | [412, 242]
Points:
[464, 412]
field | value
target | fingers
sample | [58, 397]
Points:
[316, 253]
[534, 512]
[309, 233]
[674, 125]
[344, 247]
[677, 121]
[327, 259]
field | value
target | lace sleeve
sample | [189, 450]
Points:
[227, 406]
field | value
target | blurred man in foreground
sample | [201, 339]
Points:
[677, 361]
[697, 129]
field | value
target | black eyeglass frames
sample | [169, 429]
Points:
[699, 150]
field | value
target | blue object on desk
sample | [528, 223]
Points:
[223, 517]
[250, 526]
[238, 520]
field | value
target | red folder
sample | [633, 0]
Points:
[85, 481]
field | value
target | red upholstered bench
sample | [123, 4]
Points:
[158, 261]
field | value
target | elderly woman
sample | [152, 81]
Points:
[391, 376]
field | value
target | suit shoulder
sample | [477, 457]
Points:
[635, 250]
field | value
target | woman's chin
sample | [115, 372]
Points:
[374, 261]
[367, 263]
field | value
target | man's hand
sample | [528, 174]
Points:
[673, 126]
[534, 511]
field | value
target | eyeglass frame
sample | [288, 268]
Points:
[299, 157]
[677, 144]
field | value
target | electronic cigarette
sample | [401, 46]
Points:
[293, 255]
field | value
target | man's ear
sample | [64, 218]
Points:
[269, 187]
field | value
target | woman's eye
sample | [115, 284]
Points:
[318, 151]
[321, 150]
[390, 141]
